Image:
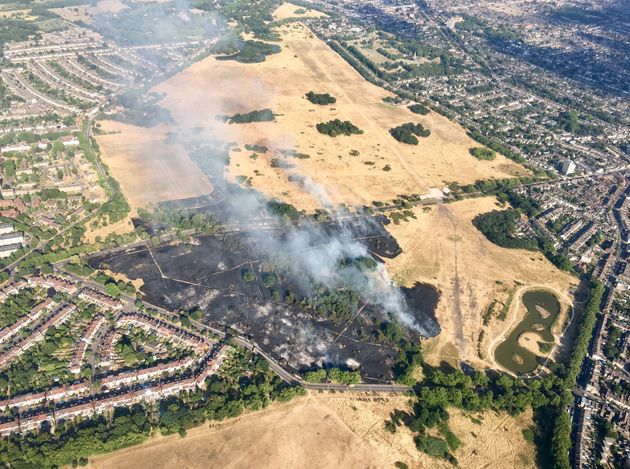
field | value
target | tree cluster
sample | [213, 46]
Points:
[249, 51]
[408, 133]
[262, 115]
[500, 228]
[283, 210]
[320, 98]
[337, 127]
[419, 109]
[483, 153]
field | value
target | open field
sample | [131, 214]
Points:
[443, 247]
[86, 13]
[24, 14]
[211, 87]
[148, 168]
[324, 431]
[288, 10]
[303, 433]
[481, 447]
[101, 232]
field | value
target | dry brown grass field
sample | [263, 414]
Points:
[86, 13]
[211, 87]
[300, 434]
[496, 442]
[289, 10]
[24, 14]
[328, 430]
[148, 168]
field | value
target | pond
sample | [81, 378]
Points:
[543, 309]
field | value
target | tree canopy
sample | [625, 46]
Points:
[337, 127]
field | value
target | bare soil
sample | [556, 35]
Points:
[529, 341]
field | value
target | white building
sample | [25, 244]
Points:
[10, 241]
[69, 140]
[11, 238]
[568, 167]
[6, 228]
[16, 148]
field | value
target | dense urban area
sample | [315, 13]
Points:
[546, 85]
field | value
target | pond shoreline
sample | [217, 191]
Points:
[544, 308]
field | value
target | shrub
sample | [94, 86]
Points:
[262, 115]
[432, 446]
[483, 153]
[256, 148]
[248, 276]
[529, 435]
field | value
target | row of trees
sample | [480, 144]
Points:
[333, 375]
[177, 219]
[497, 146]
[561, 435]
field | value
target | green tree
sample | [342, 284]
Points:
[112, 290]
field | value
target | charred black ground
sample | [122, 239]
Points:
[209, 275]
[255, 279]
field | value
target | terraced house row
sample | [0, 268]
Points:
[58, 317]
[105, 402]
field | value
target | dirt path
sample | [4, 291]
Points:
[457, 303]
